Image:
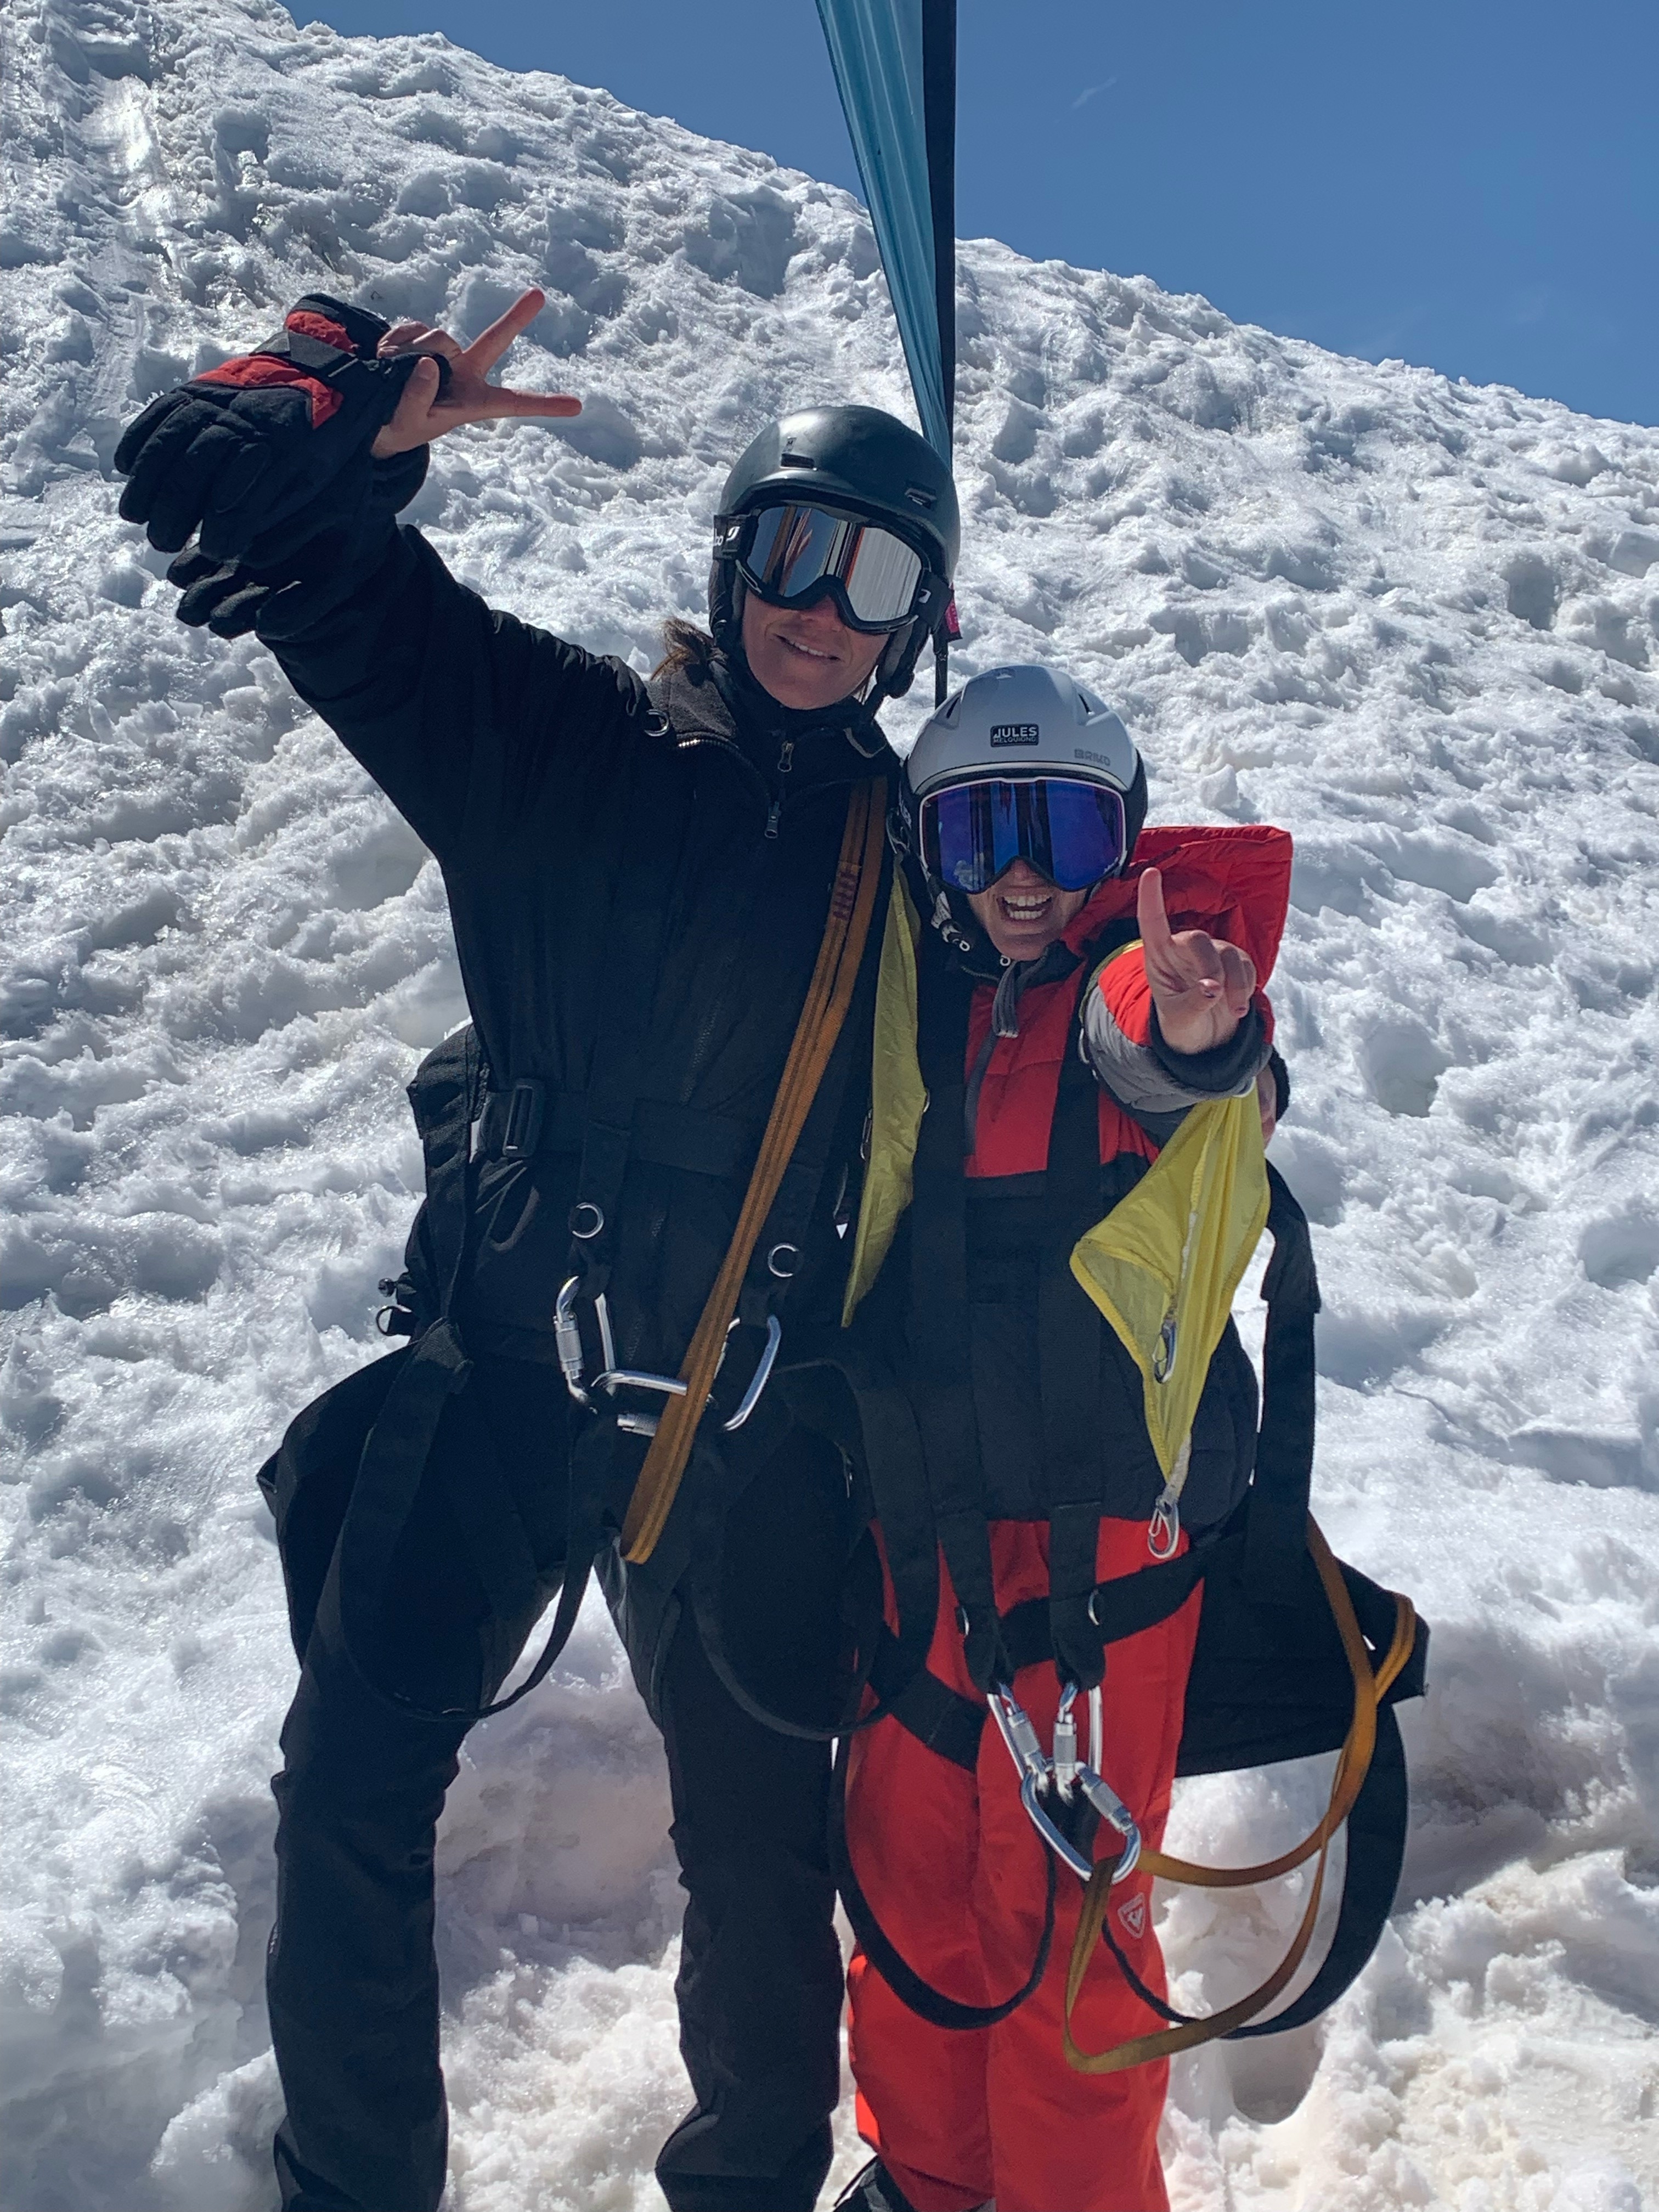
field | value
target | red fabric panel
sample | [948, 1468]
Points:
[310, 325]
[255, 370]
[954, 1871]
[1021, 1081]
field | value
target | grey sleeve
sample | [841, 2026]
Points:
[1158, 1085]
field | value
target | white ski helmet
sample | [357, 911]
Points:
[1040, 767]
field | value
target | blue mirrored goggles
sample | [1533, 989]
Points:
[789, 554]
[1073, 833]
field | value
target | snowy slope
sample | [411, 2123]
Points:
[1415, 622]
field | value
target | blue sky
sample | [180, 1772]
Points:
[1472, 184]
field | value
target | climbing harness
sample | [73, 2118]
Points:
[852, 903]
[1295, 1654]
[460, 1117]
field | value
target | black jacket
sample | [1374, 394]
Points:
[516, 757]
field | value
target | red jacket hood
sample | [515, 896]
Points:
[1233, 882]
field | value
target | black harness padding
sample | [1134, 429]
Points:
[910, 1987]
[444, 1096]
[1376, 1846]
[530, 1120]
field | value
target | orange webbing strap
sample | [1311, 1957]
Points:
[852, 901]
[1353, 1762]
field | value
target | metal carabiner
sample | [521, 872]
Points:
[614, 1378]
[1066, 1766]
[1163, 1529]
[762, 1376]
[567, 1339]
[1021, 1738]
[1037, 1772]
[1117, 1814]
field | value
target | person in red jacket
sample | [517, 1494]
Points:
[1082, 983]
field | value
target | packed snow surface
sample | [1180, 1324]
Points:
[1412, 621]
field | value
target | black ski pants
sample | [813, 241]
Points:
[353, 1980]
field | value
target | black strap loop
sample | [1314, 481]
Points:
[910, 1987]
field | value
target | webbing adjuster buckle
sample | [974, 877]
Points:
[527, 1107]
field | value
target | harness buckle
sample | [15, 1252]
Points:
[527, 1107]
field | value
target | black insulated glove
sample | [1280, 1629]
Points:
[242, 455]
[283, 597]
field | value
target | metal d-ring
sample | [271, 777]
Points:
[587, 1205]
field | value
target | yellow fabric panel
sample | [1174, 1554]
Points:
[1163, 1265]
[897, 1099]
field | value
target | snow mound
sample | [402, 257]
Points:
[1414, 621]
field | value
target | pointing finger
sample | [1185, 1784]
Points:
[1150, 916]
[487, 349]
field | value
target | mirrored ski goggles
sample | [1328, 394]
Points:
[1072, 833]
[792, 553]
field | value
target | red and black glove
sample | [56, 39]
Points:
[283, 597]
[253, 458]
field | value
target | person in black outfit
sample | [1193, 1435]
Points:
[638, 879]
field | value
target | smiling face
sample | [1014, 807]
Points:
[805, 657]
[1022, 913]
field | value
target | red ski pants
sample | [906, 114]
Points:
[955, 1873]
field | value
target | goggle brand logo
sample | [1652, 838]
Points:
[1016, 733]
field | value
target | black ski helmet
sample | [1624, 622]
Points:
[868, 461]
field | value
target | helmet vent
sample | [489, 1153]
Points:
[796, 461]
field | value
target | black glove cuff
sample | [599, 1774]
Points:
[397, 480]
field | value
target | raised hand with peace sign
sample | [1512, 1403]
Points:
[1201, 986]
[433, 404]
